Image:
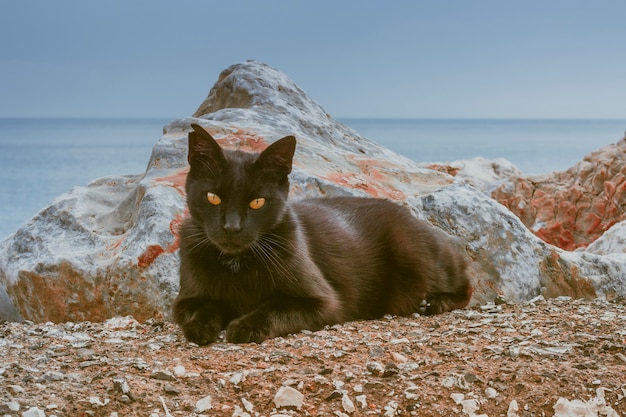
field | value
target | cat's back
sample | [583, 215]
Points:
[361, 214]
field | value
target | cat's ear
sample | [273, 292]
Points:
[278, 157]
[203, 149]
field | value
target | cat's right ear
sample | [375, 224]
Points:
[204, 151]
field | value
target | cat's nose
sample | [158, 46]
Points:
[232, 224]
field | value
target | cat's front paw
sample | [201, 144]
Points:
[200, 333]
[246, 331]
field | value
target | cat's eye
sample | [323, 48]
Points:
[214, 199]
[257, 203]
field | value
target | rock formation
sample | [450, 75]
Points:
[571, 209]
[110, 248]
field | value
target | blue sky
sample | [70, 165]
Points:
[418, 59]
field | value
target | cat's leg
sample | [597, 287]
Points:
[430, 274]
[199, 318]
[279, 317]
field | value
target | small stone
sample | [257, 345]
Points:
[491, 393]
[52, 376]
[470, 406]
[375, 368]
[121, 385]
[398, 357]
[513, 409]
[457, 397]
[239, 412]
[237, 378]
[288, 397]
[171, 390]
[9, 407]
[97, 401]
[33, 412]
[347, 404]
[16, 389]
[180, 371]
[87, 364]
[334, 395]
[362, 400]
[470, 377]
[376, 351]
[162, 376]
[391, 369]
[204, 404]
[247, 405]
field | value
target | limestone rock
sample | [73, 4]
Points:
[110, 248]
[612, 241]
[571, 209]
[288, 397]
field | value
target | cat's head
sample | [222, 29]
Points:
[236, 197]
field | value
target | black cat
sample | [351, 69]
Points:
[260, 266]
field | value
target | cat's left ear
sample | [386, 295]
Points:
[278, 157]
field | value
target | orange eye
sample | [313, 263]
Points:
[213, 199]
[257, 203]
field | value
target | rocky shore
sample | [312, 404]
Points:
[558, 357]
[86, 287]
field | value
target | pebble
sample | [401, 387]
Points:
[362, 400]
[288, 397]
[491, 393]
[162, 376]
[204, 404]
[376, 368]
[347, 404]
[180, 371]
[121, 385]
[33, 412]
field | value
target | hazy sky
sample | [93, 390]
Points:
[422, 59]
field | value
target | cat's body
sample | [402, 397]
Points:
[262, 272]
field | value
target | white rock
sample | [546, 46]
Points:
[513, 409]
[239, 412]
[612, 241]
[247, 405]
[204, 404]
[491, 393]
[33, 412]
[362, 400]
[180, 371]
[457, 397]
[97, 401]
[347, 404]
[593, 408]
[288, 397]
[237, 378]
[13, 406]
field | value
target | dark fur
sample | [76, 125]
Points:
[299, 265]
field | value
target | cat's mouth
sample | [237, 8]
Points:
[231, 246]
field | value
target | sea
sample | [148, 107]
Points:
[43, 158]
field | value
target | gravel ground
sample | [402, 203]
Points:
[542, 358]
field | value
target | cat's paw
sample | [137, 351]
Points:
[201, 333]
[245, 331]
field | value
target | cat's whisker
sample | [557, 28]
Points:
[261, 255]
[267, 257]
[201, 244]
[268, 247]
